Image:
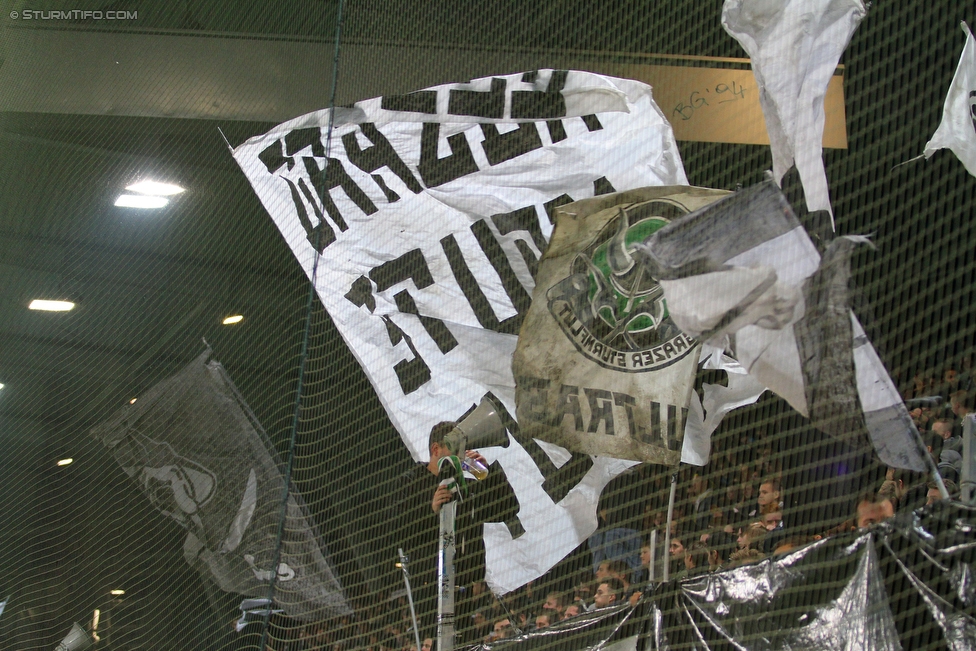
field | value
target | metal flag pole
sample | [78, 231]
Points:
[406, 580]
[667, 530]
[967, 480]
[650, 573]
[445, 576]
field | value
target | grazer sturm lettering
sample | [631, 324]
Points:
[590, 345]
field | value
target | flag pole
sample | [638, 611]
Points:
[667, 529]
[413, 611]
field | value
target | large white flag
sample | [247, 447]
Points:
[425, 222]
[958, 128]
[794, 46]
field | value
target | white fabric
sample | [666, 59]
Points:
[795, 46]
[633, 146]
[705, 415]
[957, 131]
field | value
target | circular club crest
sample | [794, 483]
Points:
[610, 306]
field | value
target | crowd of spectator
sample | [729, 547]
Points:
[727, 513]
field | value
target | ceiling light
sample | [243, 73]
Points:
[231, 320]
[1, 385]
[133, 401]
[140, 201]
[117, 593]
[51, 306]
[66, 462]
[155, 188]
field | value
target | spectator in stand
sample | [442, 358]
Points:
[962, 404]
[721, 546]
[543, 621]
[555, 605]
[752, 536]
[934, 495]
[696, 558]
[872, 508]
[794, 542]
[608, 593]
[572, 610]
[769, 493]
[502, 629]
[772, 517]
[745, 557]
[943, 426]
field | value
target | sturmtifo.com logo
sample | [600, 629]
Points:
[73, 14]
[610, 306]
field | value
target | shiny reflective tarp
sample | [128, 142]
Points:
[908, 583]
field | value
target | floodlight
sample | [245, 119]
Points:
[140, 201]
[155, 188]
[51, 306]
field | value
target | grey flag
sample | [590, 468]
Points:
[195, 449]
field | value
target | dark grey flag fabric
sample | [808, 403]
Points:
[742, 276]
[193, 447]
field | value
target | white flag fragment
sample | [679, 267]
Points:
[427, 219]
[743, 274]
[705, 415]
[794, 46]
[957, 131]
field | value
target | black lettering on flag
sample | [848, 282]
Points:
[413, 373]
[551, 206]
[380, 154]
[602, 186]
[592, 122]
[273, 159]
[628, 403]
[557, 482]
[654, 436]
[569, 405]
[437, 171]
[523, 219]
[557, 131]
[361, 293]
[535, 397]
[472, 291]
[496, 256]
[477, 103]
[321, 235]
[435, 327]
[500, 147]
[675, 427]
[413, 266]
[504, 502]
[601, 410]
[540, 105]
[424, 101]
[294, 142]
[335, 176]
[391, 196]
[972, 106]
[299, 139]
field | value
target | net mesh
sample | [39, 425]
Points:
[86, 542]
